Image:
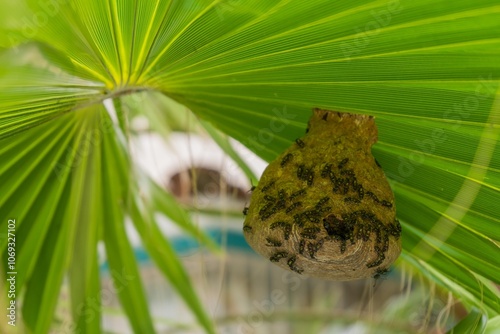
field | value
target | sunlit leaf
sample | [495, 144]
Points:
[428, 70]
[474, 323]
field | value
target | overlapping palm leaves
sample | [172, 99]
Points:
[428, 70]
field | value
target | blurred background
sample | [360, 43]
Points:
[241, 291]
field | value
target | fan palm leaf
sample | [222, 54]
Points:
[427, 70]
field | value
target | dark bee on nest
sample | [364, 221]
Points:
[310, 232]
[273, 242]
[277, 224]
[266, 215]
[354, 183]
[281, 203]
[286, 159]
[300, 143]
[292, 266]
[325, 172]
[305, 174]
[300, 171]
[269, 198]
[245, 211]
[395, 229]
[333, 178]
[287, 228]
[310, 177]
[343, 163]
[352, 200]
[361, 192]
[286, 231]
[247, 228]
[299, 219]
[266, 207]
[340, 229]
[312, 215]
[373, 196]
[302, 246]
[378, 260]
[381, 272]
[348, 172]
[268, 186]
[266, 211]
[297, 194]
[313, 248]
[338, 185]
[345, 190]
[293, 207]
[325, 209]
[278, 256]
[386, 204]
[321, 202]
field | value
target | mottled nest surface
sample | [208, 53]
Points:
[324, 207]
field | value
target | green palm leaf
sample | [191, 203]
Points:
[428, 70]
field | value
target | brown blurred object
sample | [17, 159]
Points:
[209, 183]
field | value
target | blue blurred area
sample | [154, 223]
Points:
[185, 245]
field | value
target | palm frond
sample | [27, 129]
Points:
[427, 70]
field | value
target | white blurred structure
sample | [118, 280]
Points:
[163, 159]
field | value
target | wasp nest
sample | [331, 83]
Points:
[324, 207]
